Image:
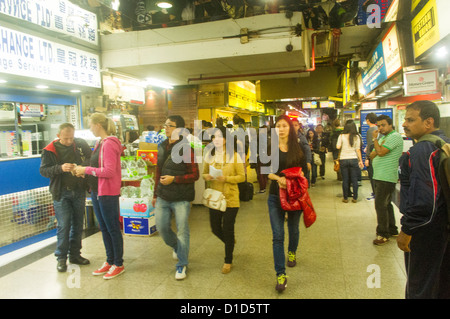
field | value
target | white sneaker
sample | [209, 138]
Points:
[174, 255]
[180, 273]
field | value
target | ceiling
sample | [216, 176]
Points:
[272, 63]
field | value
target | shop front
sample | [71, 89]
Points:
[42, 82]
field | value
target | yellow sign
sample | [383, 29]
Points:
[242, 95]
[425, 28]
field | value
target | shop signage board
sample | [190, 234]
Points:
[421, 82]
[31, 110]
[61, 16]
[385, 61]
[430, 25]
[30, 56]
[391, 52]
[375, 74]
[363, 16]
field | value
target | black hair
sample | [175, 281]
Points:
[372, 118]
[385, 117]
[426, 110]
[350, 128]
[177, 119]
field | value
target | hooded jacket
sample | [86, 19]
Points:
[109, 170]
[51, 166]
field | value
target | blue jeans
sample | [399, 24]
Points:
[106, 210]
[350, 172]
[179, 241]
[69, 212]
[276, 214]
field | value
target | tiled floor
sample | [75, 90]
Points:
[336, 260]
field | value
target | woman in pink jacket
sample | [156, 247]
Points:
[105, 176]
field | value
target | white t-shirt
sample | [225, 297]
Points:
[347, 151]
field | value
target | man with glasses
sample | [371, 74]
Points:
[176, 174]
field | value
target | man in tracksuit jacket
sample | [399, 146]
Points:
[58, 160]
[424, 235]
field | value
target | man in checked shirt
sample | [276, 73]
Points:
[176, 174]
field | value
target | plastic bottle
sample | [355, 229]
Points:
[124, 165]
[132, 169]
[142, 167]
[146, 187]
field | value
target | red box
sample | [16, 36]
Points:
[149, 156]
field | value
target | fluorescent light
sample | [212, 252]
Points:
[159, 83]
[396, 87]
[389, 91]
[3, 81]
[41, 87]
[75, 91]
[164, 5]
[442, 52]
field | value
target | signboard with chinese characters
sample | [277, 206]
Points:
[26, 55]
[61, 16]
[421, 82]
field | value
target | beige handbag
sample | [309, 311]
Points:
[214, 199]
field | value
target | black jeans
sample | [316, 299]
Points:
[385, 211]
[222, 225]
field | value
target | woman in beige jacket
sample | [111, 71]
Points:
[222, 223]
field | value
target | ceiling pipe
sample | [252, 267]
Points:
[313, 68]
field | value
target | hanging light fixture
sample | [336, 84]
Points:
[164, 4]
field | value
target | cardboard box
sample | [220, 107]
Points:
[148, 146]
[139, 226]
[148, 155]
[136, 207]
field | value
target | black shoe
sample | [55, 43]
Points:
[62, 265]
[79, 260]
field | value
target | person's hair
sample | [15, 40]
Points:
[63, 126]
[336, 123]
[177, 119]
[295, 153]
[350, 128]
[372, 118]
[150, 128]
[108, 124]
[426, 110]
[315, 136]
[385, 117]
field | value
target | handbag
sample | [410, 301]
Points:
[337, 166]
[214, 199]
[317, 160]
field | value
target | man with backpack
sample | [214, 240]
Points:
[424, 235]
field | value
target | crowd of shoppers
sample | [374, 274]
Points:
[424, 237]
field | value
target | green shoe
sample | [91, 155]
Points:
[292, 259]
[281, 283]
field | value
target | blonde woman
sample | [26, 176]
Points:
[105, 166]
[226, 160]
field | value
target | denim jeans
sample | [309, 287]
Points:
[106, 210]
[350, 172]
[276, 214]
[69, 213]
[179, 241]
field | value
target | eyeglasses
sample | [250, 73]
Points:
[167, 125]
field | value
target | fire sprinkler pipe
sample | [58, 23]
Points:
[313, 68]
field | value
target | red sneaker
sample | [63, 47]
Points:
[114, 271]
[102, 270]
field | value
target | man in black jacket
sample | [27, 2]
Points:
[59, 159]
[424, 236]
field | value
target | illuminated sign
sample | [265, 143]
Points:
[61, 16]
[26, 55]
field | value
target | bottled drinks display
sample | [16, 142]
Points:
[144, 190]
[132, 168]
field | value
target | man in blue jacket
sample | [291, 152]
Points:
[424, 235]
